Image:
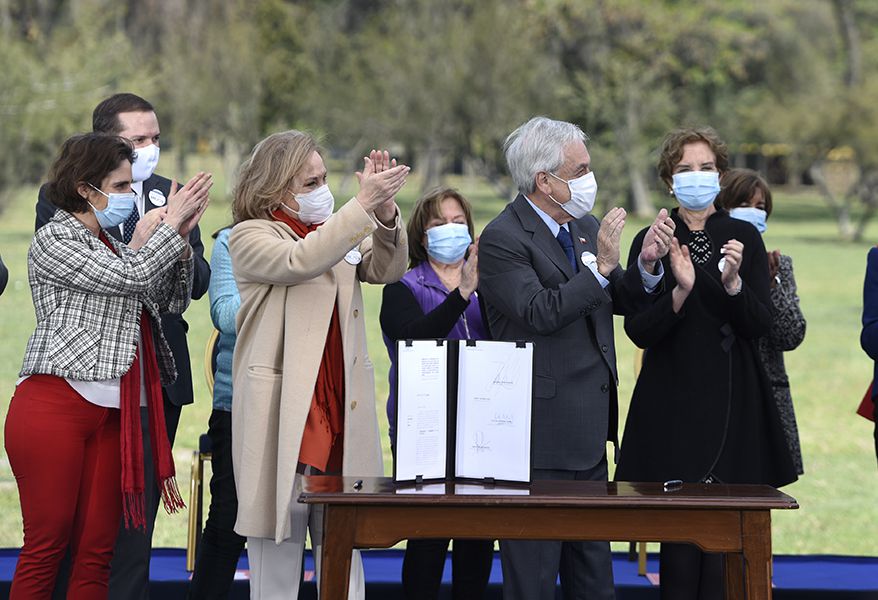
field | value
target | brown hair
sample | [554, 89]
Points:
[672, 149]
[427, 208]
[105, 118]
[268, 172]
[739, 185]
[85, 158]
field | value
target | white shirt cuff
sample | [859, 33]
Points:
[593, 267]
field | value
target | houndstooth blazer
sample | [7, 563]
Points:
[88, 300]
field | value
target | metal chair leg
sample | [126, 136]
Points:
[195, 497]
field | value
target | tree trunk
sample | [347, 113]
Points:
[641, 200]
[431, 167]
[232, 153]
[839, 209]
[850, 37]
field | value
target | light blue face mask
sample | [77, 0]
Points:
[448, 243]
[119, 206]
[756, 216]
[696, 190]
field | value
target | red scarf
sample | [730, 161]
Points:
[322, 439]
[131, 439]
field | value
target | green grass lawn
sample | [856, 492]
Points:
[828, 373]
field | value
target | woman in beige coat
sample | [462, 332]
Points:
[303, 388]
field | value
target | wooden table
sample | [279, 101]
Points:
[378, 513]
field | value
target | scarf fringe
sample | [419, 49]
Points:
[171, 498]
[133, 510]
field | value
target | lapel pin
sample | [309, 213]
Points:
[157, 198]
[354, 257]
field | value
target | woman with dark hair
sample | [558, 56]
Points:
[97, 355]
[702, 409]
[437, 298]
[746, 196]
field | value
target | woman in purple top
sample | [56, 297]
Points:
[437, 298]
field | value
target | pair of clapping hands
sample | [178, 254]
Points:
[183, 210]
[657, 243]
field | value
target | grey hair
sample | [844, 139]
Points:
[537, 146]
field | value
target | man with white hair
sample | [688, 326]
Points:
[549, 272]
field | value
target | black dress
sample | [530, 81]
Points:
[702, 408]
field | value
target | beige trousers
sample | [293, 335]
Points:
[275, 569]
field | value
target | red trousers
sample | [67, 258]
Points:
[64, 452]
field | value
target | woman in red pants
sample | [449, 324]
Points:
[97, 355]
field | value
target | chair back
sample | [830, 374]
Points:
[211, 351]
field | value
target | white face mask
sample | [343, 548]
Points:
[583, 191]
[145, 161]
[314, 207]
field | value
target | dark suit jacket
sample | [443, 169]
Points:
[4, 276]
[173, 325]
[532, 293]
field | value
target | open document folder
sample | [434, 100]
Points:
[463, 410]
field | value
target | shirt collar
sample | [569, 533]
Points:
[137, 188]
[551, 223]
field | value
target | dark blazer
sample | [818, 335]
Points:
[4, 276]
[173, 324]
[869, 334]
[531, 293]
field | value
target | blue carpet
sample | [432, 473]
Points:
[795, 577]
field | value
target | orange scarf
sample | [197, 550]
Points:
[322, 440]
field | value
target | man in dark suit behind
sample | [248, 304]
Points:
[549, 272]
[132, 117]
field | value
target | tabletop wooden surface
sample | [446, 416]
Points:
[323, 489]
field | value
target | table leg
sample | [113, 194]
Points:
[338, 544]
[734, 573]
[757, 553]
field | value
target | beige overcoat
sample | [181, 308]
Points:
[288, 288]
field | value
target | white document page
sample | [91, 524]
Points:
[494, 411]
[421, 407]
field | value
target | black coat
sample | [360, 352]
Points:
[702, 404]
[173, 325]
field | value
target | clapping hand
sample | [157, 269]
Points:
[657, 241]
[469, 275]
[188, 203]
[145, 227]
[609, 236]
[380, 180]
[773, 266]
[684, 273]
[733, 251]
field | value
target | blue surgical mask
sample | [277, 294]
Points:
[119, 206]
[696, 190]
[755, 216]
[448, 243]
